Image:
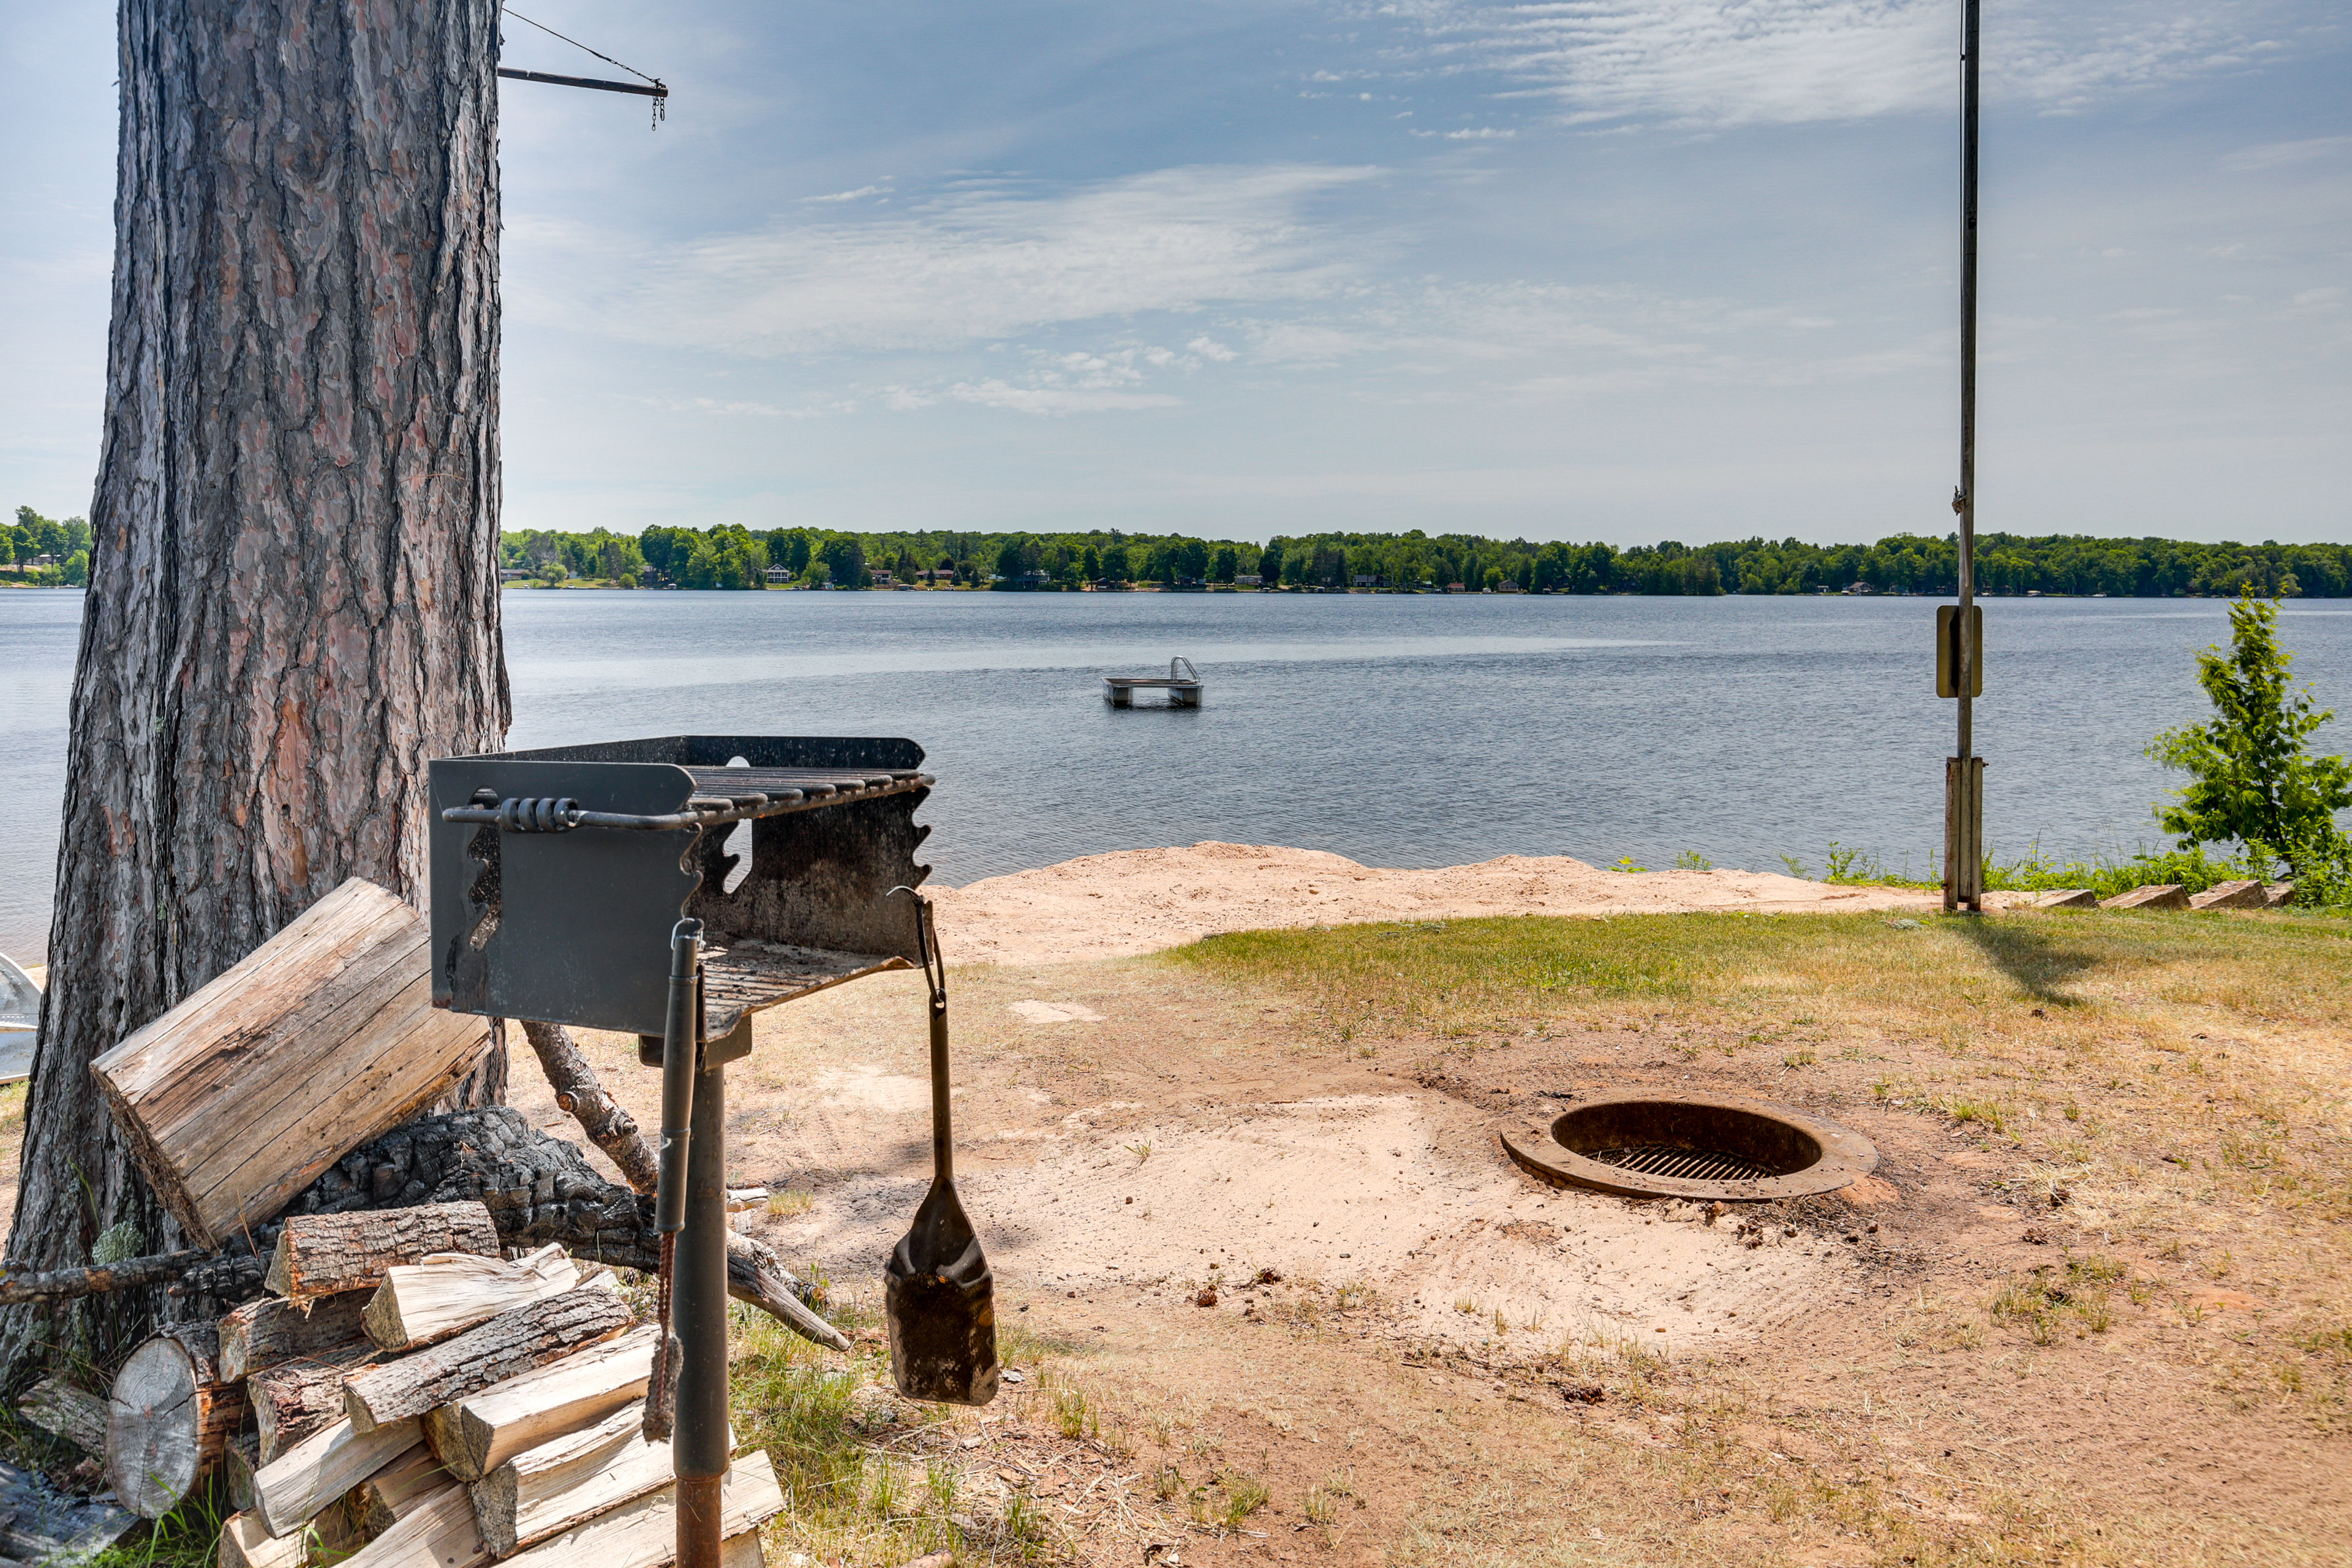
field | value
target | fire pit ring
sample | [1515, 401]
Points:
[1671, 1144]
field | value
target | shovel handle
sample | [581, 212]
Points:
[679, 1029]
[935, 970]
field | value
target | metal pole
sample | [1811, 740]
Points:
[1964, 797]
[699, 1315]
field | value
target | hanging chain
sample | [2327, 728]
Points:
[661, 102]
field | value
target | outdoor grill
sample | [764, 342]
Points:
[670, 889]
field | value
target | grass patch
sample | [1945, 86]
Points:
[1473, 976]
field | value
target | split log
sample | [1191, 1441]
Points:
[323, 1255]
[168, 1418]
[130, 1274]
[66, 1413]
[301, 1482]
[449, 1292]
[395, 1492]
[290, 1402]
[239, 1460]
[246, 1542]
[320, 1039]
[583, 1096]
[510, 1343]
[438, 1532]
[475, 1436]
[643, 1533]
[273, 1331]
[579, 1475]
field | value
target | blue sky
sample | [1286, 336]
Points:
[1621, 270]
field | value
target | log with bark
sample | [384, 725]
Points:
[575, 1477]
[538, 1190]
[293, 598]
[323, 1038]
[293, 1401]
[395, 1492]
[476, 1435]
[239, 1461]
[303, 1480]
[324, 1255]
[449, 1292]
[274, 1330]
[67, 1413]
[643, 1533]
[132, 1273]
[168, 1418]
[583, 1097]
[510, 1343]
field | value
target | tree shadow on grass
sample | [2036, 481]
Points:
[2026, 952]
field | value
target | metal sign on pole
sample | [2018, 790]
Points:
[1960, 629]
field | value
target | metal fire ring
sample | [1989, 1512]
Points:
[1670, 1143]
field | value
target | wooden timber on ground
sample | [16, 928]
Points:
[2156, 896]
[512, 1342]
[476, 1435]
[66, 1413]
[320, 1039]
[578, 1476]
[168, 1418]
[643, 1533]
[301, 1482]
[449, 1292]
[274, 1330]
[2241, 895]
[246, 1542]
[328, 1254]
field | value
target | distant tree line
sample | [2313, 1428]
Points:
[42, 549]
[729, 556]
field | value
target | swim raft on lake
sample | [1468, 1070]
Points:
[1183, 688]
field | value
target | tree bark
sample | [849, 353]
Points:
[293, 598]
[273, 1331]
[290, 1402]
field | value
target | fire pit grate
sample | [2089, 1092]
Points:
[1691, 1164]
[1661, 1144]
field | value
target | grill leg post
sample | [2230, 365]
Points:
[699, 1309]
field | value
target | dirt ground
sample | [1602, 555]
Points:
[1414, 1353]
[1423, 1356]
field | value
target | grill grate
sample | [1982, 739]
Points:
[1685, 1164]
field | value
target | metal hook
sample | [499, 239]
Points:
[926, 944]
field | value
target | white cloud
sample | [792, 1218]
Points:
[858, 195]
[2277, 153]
[1726, 62]
[971, 265]
[994, 392]
[1209, 348]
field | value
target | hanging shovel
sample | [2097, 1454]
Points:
[938, 1293]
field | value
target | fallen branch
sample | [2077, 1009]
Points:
[130, 1274]
[582, 1095]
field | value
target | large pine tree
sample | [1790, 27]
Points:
[293, 598]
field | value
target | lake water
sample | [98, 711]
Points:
[1395, 731]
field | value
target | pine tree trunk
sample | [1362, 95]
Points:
[293, 596]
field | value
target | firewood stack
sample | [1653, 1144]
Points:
[434, 1384]
[417, 1399]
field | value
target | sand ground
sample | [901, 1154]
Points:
[1426, 1356]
